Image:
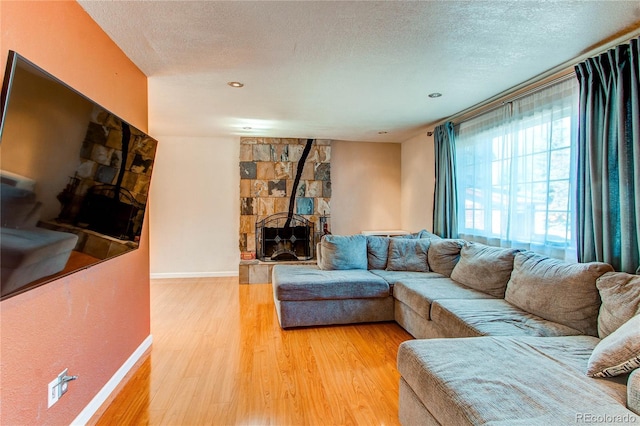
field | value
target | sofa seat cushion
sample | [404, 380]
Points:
[420, 292]
[493, 317]
[393, 277]
[510, 381]
[307, 282]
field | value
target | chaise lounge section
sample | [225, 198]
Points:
[308, 296]
[507, 380]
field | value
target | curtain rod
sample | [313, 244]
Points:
[554, 75]
[517, 96]
[549, 83]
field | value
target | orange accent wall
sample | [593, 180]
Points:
[93, 320]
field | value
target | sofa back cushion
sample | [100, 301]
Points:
[423, 234]
[443, 255]
[377, 251]
[484, 268]
[408, 254]
[343, 252]
[557, 291]
[620, 294]
[20, 209]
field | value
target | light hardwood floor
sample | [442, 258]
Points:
[219, 357]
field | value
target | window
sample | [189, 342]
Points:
[515, 173]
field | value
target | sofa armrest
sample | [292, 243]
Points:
[633, 391]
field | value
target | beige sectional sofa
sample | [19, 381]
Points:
[502, 336]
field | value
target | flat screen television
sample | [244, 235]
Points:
[74, 179]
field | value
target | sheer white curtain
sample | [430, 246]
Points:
[516, 174]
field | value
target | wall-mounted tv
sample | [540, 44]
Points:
[74, 180]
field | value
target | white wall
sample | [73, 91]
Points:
[365, 182]
[418, 181]
[194, 211]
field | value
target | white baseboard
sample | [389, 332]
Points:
[100, 398]
[160, 275]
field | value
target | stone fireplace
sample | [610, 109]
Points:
[108, 193]
[268, 169]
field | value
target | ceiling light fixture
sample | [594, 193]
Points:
[435, 95]
[236, 84]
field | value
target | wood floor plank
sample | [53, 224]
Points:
[219, 357]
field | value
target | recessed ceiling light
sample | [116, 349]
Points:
[235, 84]
[435, 95]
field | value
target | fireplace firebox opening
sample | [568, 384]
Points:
[284, 237]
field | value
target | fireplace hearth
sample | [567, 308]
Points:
[284, 237]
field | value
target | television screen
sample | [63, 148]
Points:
[74, 179]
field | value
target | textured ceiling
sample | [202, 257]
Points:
[343, 70]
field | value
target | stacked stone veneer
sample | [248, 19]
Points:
[101, 161]
[267, 171]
